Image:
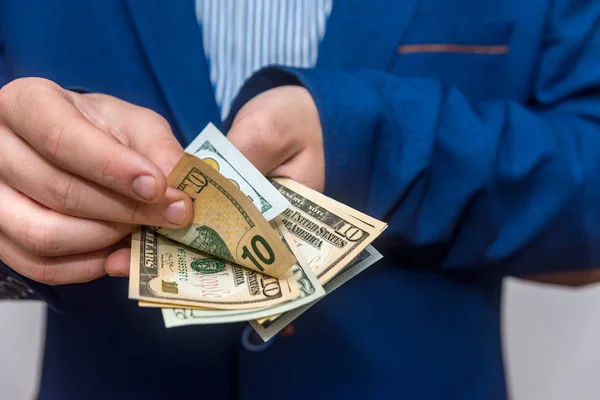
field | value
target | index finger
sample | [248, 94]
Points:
[42, 114]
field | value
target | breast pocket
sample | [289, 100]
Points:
[468, 53]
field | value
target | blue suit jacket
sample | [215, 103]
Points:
[472, 127]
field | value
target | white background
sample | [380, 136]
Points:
[551, 339]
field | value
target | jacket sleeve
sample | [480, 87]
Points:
[497, 186]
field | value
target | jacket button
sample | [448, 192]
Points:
[252, 342]
[287, 331]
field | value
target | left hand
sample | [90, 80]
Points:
[279, 132]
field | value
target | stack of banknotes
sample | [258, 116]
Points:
[259, 250]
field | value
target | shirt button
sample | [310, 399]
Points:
[252, 342]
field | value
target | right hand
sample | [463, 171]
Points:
[78, 173]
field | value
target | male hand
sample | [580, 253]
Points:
[77, 174]
[279, 131]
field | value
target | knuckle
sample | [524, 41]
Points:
[268, 141]
[90, 271]
[5, 165]
[246, 137]
[37, 268]
[19, 91]
[148, 122]
[10, 96]
[22, 95]
[266, 131]
[30, 82]
[64, 193]
[41, 240]
[44, 271]
[48, 272]
[32, 239]
[51, 139]
[137, 213]
[106, 168]
[13, 89]
[149, 116]
[261, 136]
[159, 122]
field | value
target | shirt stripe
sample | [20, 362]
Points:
[242, 36]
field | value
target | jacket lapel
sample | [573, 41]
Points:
[172, 39]
[359, 27]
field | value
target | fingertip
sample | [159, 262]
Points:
[144, 186]
[117, 263]
[180, 211]
[149, 186]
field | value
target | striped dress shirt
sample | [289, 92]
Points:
[241, 36]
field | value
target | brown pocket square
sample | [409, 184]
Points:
[453, 48]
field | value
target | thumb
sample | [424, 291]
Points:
[118, 263]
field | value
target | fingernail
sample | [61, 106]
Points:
[176, 213]
[145, 187]
[118, 275]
